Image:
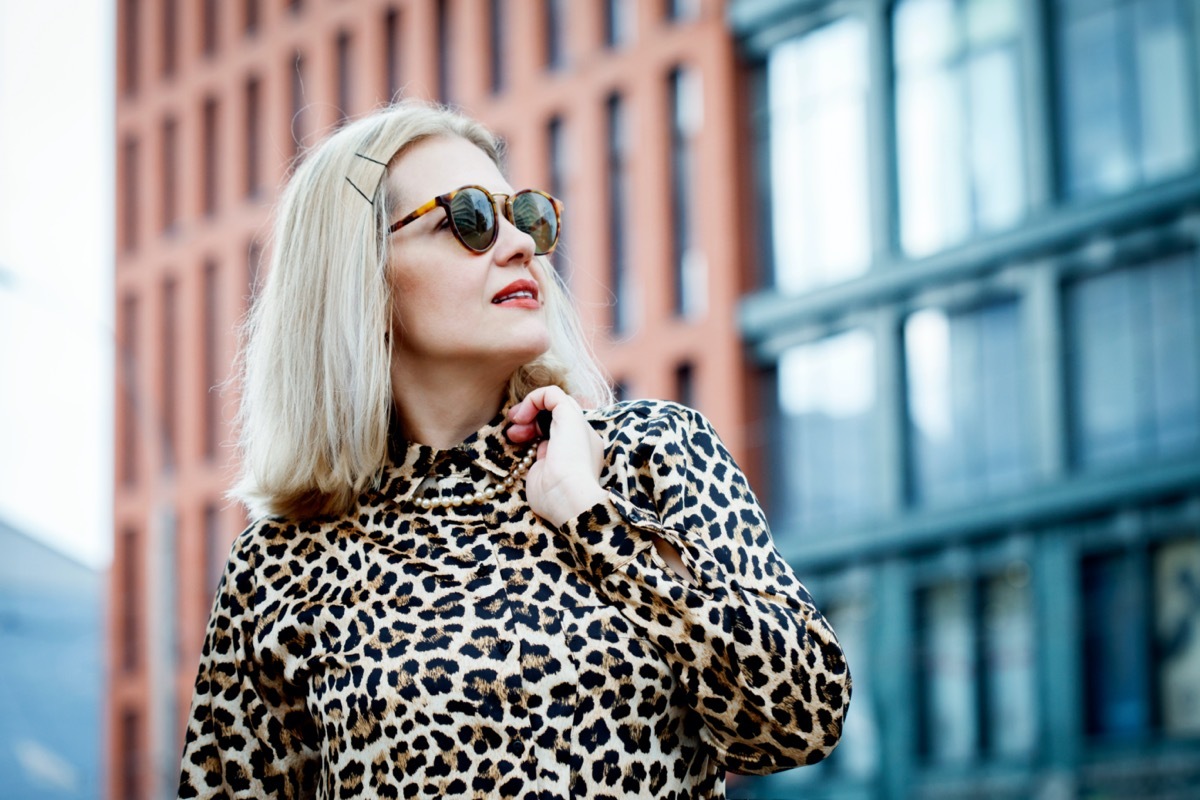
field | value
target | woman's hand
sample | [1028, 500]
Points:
[564, 481]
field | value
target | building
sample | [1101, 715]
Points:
[627, 110]
[977, 309]
[959, 241]
[51, 608]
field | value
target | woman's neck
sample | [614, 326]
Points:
[442, 413]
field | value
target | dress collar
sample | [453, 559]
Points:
[409, 463]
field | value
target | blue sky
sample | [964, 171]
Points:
[56, 244]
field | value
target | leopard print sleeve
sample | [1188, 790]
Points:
[756, 660]
[248, 734]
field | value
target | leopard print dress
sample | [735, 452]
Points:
[476, 651]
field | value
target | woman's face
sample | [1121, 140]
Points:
[450, 306]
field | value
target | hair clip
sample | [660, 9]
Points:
[360, 191]
[365, 196]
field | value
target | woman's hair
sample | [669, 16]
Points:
[315, 364]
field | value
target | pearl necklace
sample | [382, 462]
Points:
[490, 492]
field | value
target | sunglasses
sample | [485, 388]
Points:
[473, 214]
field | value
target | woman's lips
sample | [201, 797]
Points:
[518, 294]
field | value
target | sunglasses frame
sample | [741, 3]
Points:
[444, 200]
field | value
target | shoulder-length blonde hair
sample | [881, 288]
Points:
[315, 363]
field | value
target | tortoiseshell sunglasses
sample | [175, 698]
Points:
[473, 213]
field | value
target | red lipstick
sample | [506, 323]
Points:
[518, 294]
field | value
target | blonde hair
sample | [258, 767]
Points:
[315, 363]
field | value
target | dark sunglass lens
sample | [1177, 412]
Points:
[474, 217]
[533, 214]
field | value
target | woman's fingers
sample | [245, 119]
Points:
[524, 416]
[563, 480]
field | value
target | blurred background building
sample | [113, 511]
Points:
[51, 646]
[929, 265]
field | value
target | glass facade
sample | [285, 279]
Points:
[966, 399]
[618, 209]
[687, 119]
[817, 92]
[1128, 85]
[1135, 362]
[948, 666]
[984, 337]
[828, 448]
[960, 147]
[1009, 649]
[1176, 568]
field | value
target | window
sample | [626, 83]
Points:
[554, 18]
[826, 460]
[253, 138]
[170, 35]
[211, 340]
[392, 69]
[168, 166]
[209, 26]
[496, 55]
[682, 10]
[166, 600]
[444, 54]
[209, 162]
[1009, 685]
[619, 219]
[1114, 640]
[215, 552]
[1133, 363]
[345, 78]
[253, 270]
[968, 425]
[556, 141]
[131, 205]
[976, 679]
[947, 671]
[168, 376]
[131, 600]
[1128, 86]
[961, 153]
[687, 117]
[819, 196]
[1141, 641]
[299, 106]
[250, 21]
[131, 755]
[858, 753]
[685, 384]
[620, 22]
[1177, 635]
[128, 378]
[130, 46]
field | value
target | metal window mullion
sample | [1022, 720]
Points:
[1041, 325]
[891, 412]
[1056, 587]
[1131, 115]
[1036, 81]
[882, 157]
[1192, 26]
[977, 601]
[893, 652]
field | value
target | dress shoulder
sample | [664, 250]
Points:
[643, 415]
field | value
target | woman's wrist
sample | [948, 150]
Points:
[573, 501]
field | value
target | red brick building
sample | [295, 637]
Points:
[629, 111]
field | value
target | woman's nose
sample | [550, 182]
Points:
[513, 246]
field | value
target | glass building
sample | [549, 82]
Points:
[978, 321]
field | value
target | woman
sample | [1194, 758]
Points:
[448, 596]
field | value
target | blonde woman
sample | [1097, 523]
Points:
[473, 575]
